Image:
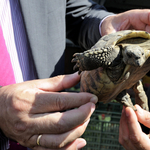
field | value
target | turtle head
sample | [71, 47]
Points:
[133, 55]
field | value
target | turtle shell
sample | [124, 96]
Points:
[98, 82]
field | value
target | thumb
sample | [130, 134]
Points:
[143, 116]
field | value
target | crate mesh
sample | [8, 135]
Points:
[102, 132]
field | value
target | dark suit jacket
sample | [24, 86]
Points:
[49, 22]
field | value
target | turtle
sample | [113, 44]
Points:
[116, 63]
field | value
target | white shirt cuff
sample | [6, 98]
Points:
[102, 22]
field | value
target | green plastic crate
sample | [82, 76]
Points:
[102, 132]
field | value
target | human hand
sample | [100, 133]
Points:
[131, 135]
[138, 19]
[33, 108]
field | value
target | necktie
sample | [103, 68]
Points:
[22, 43]
[7, 77]
[6, 70]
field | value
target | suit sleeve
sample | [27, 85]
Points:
[82, 22]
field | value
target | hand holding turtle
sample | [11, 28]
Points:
[138, 19]
[130, 132]
[31, 113]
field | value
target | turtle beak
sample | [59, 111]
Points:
[139, 62]
[135, 62]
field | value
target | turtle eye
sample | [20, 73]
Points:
[129, 55]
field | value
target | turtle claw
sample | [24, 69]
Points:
[73, 60]
[76, 59]
[79, 72]
[75, 67]
[77, 63]
[76, 54]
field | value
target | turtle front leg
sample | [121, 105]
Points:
[140, 95]
[87, 60]
[125, 99]
[94, 58]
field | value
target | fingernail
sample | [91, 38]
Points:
[139, 110]
[92, 108]
[81, 145]
[123, 109]
[127, 113]
[94, 99]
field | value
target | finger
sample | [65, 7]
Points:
[144, 16]
[61, 122]
[147, 28]
[143, 116]
[59, 141]
[123, 129]
[134, 128]
[138, 139]
[124, 133]
[139, 19]
[54, 101]
[58, 83]
[64, 139]
[75, 145]
[79, 142]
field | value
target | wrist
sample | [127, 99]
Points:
[105, 26]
